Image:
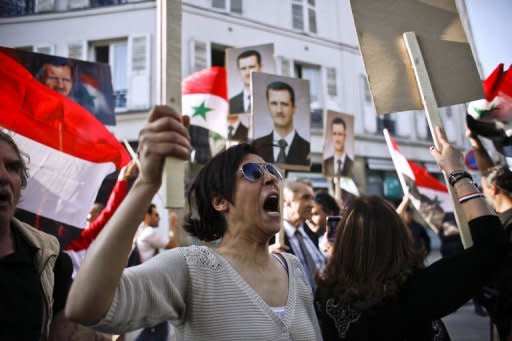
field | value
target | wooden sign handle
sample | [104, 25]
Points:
[169, 91]
[434, 120]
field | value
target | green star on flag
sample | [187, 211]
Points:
[205, 99]
[201, 110]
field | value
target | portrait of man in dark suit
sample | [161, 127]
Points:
[247, 62]
[237, 130]
[339, 164]
[283, 145]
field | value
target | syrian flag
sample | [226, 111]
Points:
[205, 99]
[428, 195]
[498, 97]
[70, 151]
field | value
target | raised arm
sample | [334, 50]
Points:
[450, 160]
[117, 196]
[450, 282]
[482, 157]
[94, 287]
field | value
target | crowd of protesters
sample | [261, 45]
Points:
[367, 281]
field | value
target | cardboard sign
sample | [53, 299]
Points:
[448, 57]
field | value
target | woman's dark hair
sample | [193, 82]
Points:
[24, 169]
[216, 179]
[373, 254]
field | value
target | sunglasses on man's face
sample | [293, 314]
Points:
[253, 171]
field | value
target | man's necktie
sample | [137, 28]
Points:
[230, 132]
[248, 106]
[338, 164]
[308, 259]
[281, 157]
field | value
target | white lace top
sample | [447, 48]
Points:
[202, 295]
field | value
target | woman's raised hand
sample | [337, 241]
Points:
[447, 157]
[165, 134]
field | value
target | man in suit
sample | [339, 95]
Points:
[247, 62]
[298, 204]
[340, 164]
[283, 145]
[237, 131]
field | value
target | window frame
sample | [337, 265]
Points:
[111, 43]
[228, 6]
[308, 7]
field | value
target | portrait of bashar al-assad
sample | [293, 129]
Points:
[338, 145]
[240, 62]
[284, 139]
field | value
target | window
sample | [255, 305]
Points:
[234, 6]
[312, 73]
[114, 53]
[386, 121]
[218, 54]
[304, 15]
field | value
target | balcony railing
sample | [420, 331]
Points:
[16, 8]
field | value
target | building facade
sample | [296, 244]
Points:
[313, 39]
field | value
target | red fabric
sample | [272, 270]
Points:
[498, 81]
[90, 233]
[208, 81]
[35, 111]
[424, 179]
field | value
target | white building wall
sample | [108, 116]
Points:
[263, 21]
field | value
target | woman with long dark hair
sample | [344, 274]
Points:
[375, 287]
[238, 291]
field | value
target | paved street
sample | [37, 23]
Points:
[465, 325]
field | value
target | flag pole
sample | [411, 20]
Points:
[399, 174]
[434, 120]
[169, 91]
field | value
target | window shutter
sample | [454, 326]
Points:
[297, 17]
[76, 50]
[236, 6]
[332, 89]
[285, 67]
[312, 20]
[198, 56]
[74, 4]
[139, 87]
[45, 49]
[44, 6]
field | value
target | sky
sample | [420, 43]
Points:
[491, 25]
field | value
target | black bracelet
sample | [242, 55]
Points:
[456, 175]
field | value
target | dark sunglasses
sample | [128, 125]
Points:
[252, 171]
